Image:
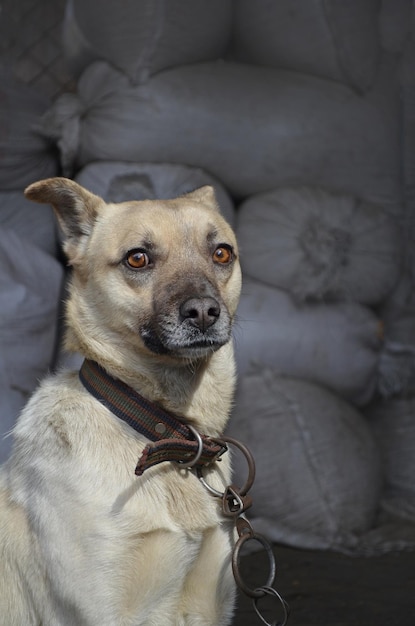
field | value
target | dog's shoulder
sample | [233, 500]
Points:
[52, 412]
[63, 420]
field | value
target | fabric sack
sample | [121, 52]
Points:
[336, 345]
[33, 222]
[25, 154]
[252, 128]
[319, 245]
[318, 477]
[333, 39]
[396, 371]
[141, 37]
[30, 286]
[393, 424]
[117, 182]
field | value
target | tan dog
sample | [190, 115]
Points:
[83, 541]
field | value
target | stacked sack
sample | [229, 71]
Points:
[293, 114]
[317, 263]
[322, 260]
[392, 416]
[30, 274]
[309, 344]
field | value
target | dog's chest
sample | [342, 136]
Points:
[168, 498]
[132, 543]
[169, 529]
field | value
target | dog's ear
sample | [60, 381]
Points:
[76, 209]
[205, 195]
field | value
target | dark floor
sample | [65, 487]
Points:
[331, 589]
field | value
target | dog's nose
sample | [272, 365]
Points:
[200, 312]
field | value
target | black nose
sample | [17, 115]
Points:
[200, 312]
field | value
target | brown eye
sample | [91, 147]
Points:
[223, 255]
[137, 259]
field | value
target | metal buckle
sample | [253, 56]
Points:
[192, 462]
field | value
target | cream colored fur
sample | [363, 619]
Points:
[83, 541]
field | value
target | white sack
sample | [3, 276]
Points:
[34, 222]
[393, 424]
[319, 245]
[25, 154]
[141, 37]
[117, 182]
[335, 345]
[397, 358]
[30, 283]
[253, 128]
[318, 477]
[334, 39]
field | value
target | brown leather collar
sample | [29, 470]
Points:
[172, 439]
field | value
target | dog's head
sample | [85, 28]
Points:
[159, 277]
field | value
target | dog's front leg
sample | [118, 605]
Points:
[209, 593]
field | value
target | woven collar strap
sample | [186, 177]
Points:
[172, 439]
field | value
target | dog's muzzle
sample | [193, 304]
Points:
[198, 326]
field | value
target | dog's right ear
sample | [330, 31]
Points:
[76, 209]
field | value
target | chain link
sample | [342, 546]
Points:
[235, 501]
[282, 604]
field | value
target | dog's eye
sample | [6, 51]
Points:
[137, 259]
[223, 254]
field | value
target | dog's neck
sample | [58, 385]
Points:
[201, 391]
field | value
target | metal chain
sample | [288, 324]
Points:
[235, 501]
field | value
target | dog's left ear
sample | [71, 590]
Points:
[205, 195]
[76, 209]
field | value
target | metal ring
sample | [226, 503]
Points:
[271, 592]
[252, 593]
[222, 441]
[248, 456]
[189, 464]
[212, 490]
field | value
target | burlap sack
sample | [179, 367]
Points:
[318, 474]
[336, 345]
[117, 182]
[253, 128]
[319, 245]
[141, 37]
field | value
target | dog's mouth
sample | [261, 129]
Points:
[200, 327]
[184, 343]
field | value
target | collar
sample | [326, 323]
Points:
[172, 439]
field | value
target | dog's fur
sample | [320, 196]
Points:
[83, 541]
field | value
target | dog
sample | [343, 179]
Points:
[86, 539]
